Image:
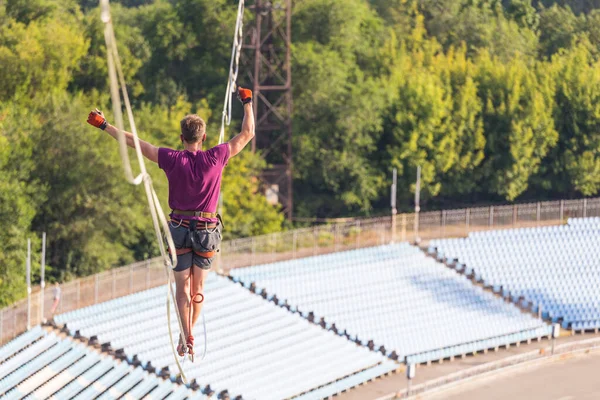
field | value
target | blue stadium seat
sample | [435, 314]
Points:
[555, 269]
[255, 348]
[20, 342]
[58, 368]
[395, 296]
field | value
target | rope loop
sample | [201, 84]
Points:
[198, 301]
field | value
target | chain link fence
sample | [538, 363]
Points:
[305, 242]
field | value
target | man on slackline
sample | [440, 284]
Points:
[194, 177]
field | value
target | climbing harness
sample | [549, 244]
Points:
[201, 214]
[201, 250]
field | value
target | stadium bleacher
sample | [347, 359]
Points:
[554, 268]
[255, 348]
[396, 297]
[41, 365]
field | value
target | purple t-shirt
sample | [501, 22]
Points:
[194, 178]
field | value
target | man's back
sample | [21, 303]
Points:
[194, 177]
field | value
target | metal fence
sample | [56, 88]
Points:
[376, 231]
[298, 243]
[79, 293]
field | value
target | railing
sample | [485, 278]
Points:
[346, 235]
[79, 293]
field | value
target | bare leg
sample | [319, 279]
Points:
[198, 287]
[182, 293]
[54, 306]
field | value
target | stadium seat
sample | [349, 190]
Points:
[555, 270]
[255, 348]
[58, 368]
[397, 297]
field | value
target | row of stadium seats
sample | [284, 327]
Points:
[487, 344]
[396, 297]
[40, 365]
[393, 298]
[555, 270]
[328, 391]
[255, 349]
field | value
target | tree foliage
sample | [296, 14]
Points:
[518, 123]
[495, 100]
[575, 160]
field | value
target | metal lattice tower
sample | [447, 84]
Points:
[266, 61]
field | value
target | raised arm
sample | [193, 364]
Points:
[96, 118]
[240, 141]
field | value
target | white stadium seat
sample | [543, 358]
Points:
[553, 269]
[397, 297]
[255, 348]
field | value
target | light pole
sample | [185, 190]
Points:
[28, 278]
[393, 203]
[42, 276]
[417, 207]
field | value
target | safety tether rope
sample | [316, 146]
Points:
[233, 70]
[159, 219]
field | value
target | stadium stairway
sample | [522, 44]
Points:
[550, 271]
[395, 300]
[256, 350]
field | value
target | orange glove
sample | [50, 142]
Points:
[245, 95]
[96, 118]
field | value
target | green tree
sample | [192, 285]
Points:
[574, 164]
[592, 29]
[26, 11]
[16, 207]
[559, 28]
[522, 12]
[39, 57]
[434, 121]
[578, 6]
[134, 51]
[518, 123]
[191, 49]
[337, 106]
[481, 24]
[399, 15]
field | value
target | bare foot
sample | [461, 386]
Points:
[190, 347]
[180, 348]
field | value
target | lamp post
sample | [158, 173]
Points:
[417, 207]
[42, 276]
[393, 203]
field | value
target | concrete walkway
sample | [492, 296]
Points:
[381, 388]
[567, 378]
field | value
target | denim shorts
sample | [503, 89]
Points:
[203, 240]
